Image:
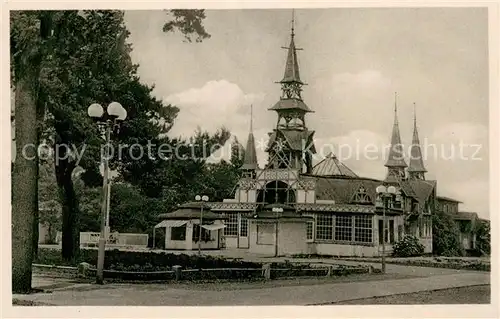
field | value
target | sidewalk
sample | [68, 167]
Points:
[162, 295]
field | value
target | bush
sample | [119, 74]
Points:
[446, 236]
[409, 246]
[483, 238]
[141, 261]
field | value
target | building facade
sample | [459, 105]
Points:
[338, 212]
[466, 222]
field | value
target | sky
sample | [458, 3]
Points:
[353, 60]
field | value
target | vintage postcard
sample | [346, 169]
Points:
[188, 157]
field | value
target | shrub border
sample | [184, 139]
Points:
[86, 271]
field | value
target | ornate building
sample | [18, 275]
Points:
[335, 211]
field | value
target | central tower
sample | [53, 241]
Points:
[291, 143]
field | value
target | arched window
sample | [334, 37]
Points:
[276, 192]
[362, 197]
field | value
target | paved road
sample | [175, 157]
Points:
[462, 295]
[162, 295]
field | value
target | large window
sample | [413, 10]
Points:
[178, 233]
[310, 227]
[363, 229]
[343, 228]
[243, 227]
[231, 225]
[205, 233]
[324, 227]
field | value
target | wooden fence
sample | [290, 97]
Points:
[85, 270]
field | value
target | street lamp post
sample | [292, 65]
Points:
[203, 198]
[276, 211]
[386, 193]
[107, 120]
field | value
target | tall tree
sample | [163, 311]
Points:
[237, 153]
[29, 31]
[90, 62]
[57, 62]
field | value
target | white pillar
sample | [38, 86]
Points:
[189, 235]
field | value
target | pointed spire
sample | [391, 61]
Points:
[416, 168]
[395, 158]
[292, 73]
[250, 158]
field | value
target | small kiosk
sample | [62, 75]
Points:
[182, 228]
[278, 230]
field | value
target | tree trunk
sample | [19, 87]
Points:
[70, 209]
[24, 186]
[40, 116]
[36, 217]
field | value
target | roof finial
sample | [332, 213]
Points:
[414, 115]
[395, 107]
[293, 23]
[251, 118]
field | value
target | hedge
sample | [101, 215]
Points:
[141, 261]
[157, 266]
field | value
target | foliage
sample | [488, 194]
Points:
[446, 262]
[445, 236]
[146, 261]
[181, 164]
[237, 153]
[189, 22]
[409, 246]
[483, 237]
[75, 58]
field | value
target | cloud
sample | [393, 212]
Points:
[215, 104]
[367, 79]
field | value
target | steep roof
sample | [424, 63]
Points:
[250, 158]
[292, 73]
[294, 138]
[331, 166]
[396, 154]
[290, 104]
[343, 190]
[191, 210]
[421, 189]
[416, 160]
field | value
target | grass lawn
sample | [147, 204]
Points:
[463, 295]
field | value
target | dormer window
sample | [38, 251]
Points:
[362, 197]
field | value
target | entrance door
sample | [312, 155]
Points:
[243, 232]
[381, 232]
[389, 231]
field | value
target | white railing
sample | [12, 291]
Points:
[89, 238]
[114, 239]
